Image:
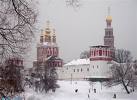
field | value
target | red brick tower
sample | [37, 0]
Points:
[47, 49]
[109, 38]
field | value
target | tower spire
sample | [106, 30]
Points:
[108, 18]
[47, 33]
[54, 36]
[47, 23]
[48, 27]
[109, 38]
[41, 36]
[109, 11]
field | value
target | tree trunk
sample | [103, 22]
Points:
[125, 87]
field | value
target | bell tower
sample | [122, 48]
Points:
[47, 49]
[47, 34]
[109, 38]
[54, 36]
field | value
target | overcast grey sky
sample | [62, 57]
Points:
[77, 29]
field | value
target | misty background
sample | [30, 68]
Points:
[79, 28]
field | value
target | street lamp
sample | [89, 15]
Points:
[71, 78]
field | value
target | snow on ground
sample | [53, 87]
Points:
[67, 92]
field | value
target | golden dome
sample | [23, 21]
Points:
[53, 34]
[109, 18]
[42, 32]
[47, 29]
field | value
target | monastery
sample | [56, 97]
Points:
[96, 67]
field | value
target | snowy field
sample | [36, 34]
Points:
[67, 92]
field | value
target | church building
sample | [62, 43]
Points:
[97, 66]
[47, 51]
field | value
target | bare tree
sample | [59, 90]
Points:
[11, 79]
[73, 3]
[17, 25]
[50, 79]
[45, 79]
[122, 56]
[135, 66]
[122, 72]
[85, 54]
[17, 21]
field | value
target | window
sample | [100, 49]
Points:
[45, 38]
[77, 70]
[106, 52]
[100, 52]
[94, 53]
[97, 52]
[97, 66]
[81, 69]
[103, 52]
[87, 69]
[41, 39]
[74, 70]
[107, 33]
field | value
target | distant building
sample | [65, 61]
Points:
[109, 38]
[47, 51]
[100, 62]
[14, 61]
[97, 66]
[75, 69]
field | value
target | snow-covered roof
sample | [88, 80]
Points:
[47, 44]
[78, 62]
[112, 62]
[97, 76]
[54, 58]
[83, 62]
[99, 46]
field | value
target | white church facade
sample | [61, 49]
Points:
[76, 69]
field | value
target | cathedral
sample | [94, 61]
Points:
[47, 50]
[97, 66]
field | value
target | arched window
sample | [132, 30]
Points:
[48, 51]
[41, 39]
[51, 51]
[74, 70]
[94, 53]
[87, 69]
[111, 53]
[106, 52]
[100, 52]
[103, 52]
[97, 66]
